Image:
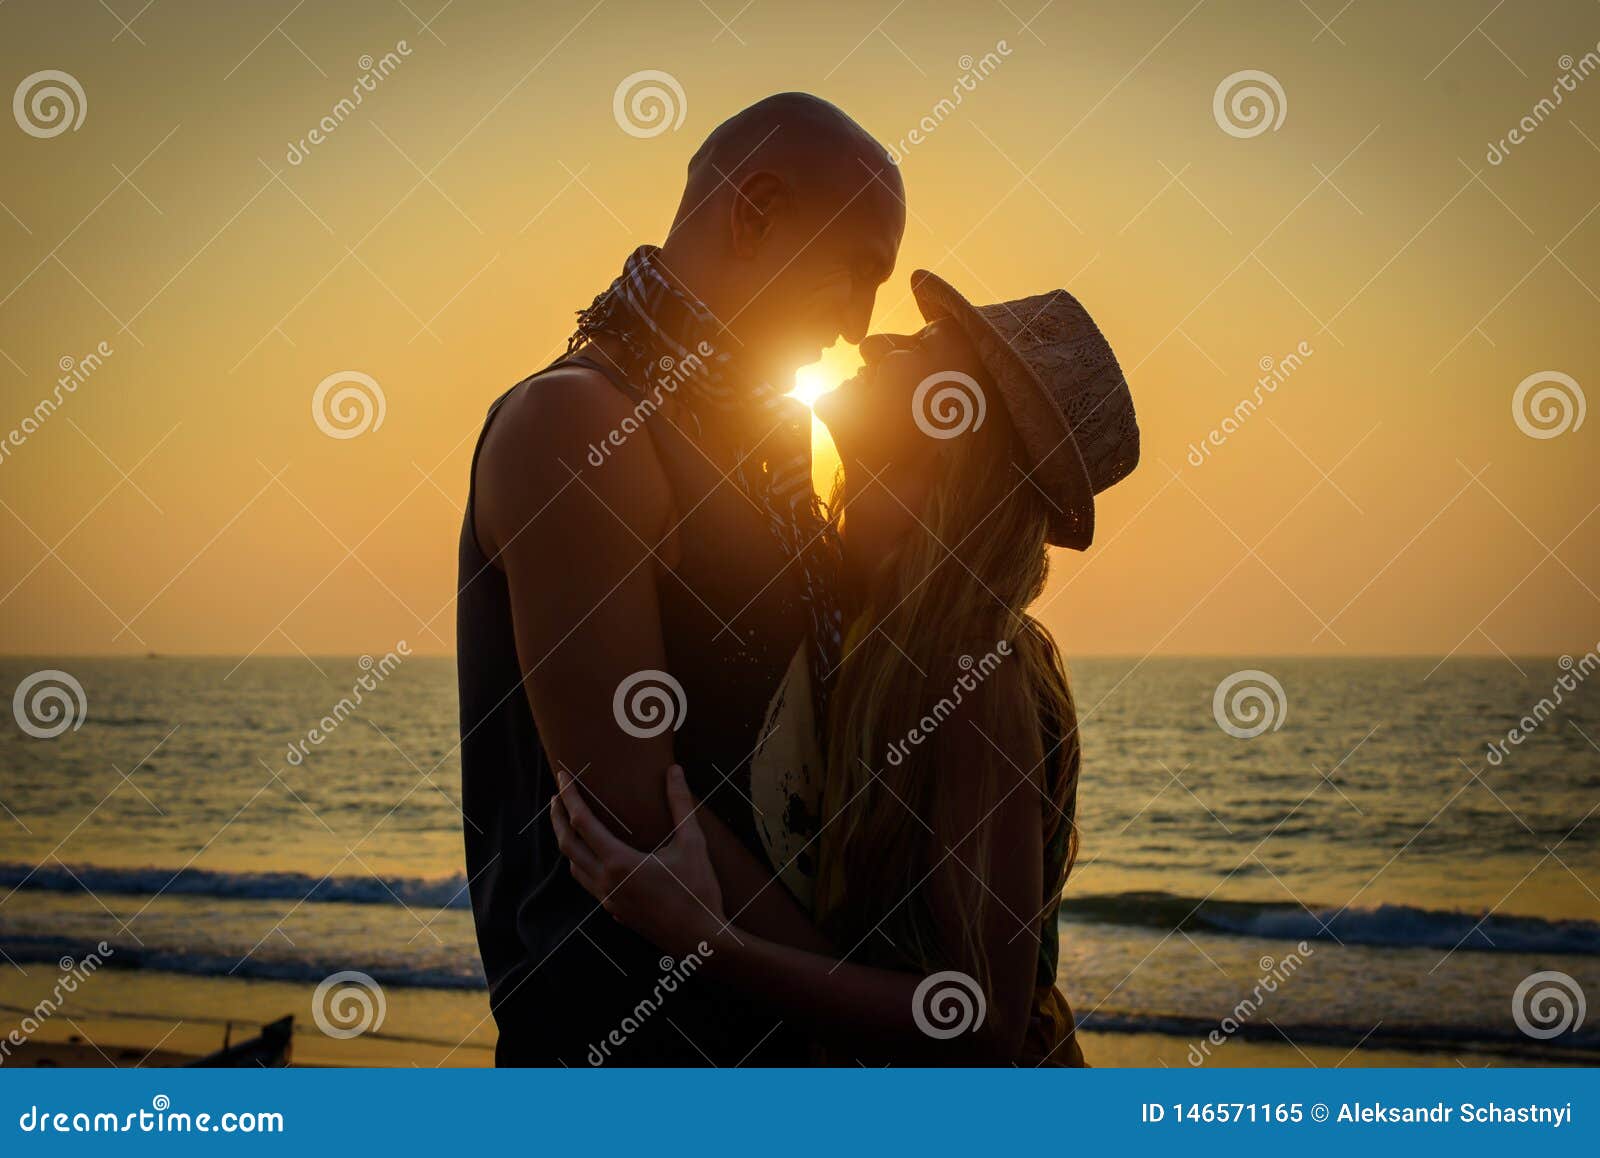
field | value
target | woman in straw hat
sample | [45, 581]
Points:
[918, 791]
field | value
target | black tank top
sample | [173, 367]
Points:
[562, 974]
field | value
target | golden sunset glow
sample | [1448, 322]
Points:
[439, 239]
[332, 758]
[837, 363]
[810, 383]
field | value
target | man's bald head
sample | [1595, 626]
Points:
[791, 218]
[812, 142]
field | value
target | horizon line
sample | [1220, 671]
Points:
[415, 654]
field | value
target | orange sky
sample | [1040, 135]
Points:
[1382, 499]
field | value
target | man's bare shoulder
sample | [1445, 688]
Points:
[558, 414]
[568, 431]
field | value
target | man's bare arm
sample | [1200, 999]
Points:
[581, 546]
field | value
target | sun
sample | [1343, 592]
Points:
[837, 363]
[812, 382]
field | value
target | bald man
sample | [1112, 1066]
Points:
[641, 558]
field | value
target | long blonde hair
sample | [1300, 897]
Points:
[956, 587]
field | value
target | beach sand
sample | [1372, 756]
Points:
[132, 1019]
[1106, 1050]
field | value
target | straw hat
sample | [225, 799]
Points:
[1062, 388]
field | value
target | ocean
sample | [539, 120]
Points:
[1358, 874]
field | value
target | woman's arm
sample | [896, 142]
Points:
[671, 897]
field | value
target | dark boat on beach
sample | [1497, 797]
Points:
[270, 1049]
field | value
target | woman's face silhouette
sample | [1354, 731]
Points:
[877, 419]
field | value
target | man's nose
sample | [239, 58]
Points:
[858, 316]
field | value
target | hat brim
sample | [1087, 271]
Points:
[1056, 467]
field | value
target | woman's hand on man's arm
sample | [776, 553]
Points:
[580, 546]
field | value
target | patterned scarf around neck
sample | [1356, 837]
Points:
[650, 316]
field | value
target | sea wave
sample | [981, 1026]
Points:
[414, 892]
[265, 964]
[1576, 1048]
[1390, 925]
[1399, 926]
[1580, 1047]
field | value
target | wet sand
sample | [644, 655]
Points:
[138, 1018]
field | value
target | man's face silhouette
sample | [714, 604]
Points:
[791, 219]
[814, 273]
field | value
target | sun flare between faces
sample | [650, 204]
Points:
[838, 362]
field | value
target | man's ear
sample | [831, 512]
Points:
[758, 200]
